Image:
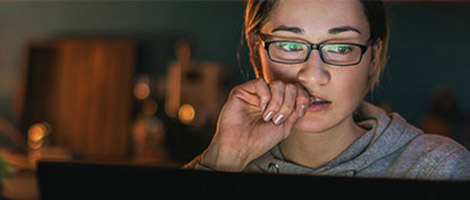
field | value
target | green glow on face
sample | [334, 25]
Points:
[289, 46]
[338, 48]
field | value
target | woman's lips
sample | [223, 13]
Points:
[318, 107]
[318, 104]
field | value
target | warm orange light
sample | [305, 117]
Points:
[142, 90]
[35, 144]
[150, 107]
[36, 133]
[186, 113]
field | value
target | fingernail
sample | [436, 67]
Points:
[264, 107]
[268, 116]
[279, 119]
[303, 110]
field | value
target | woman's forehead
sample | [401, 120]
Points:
[318, 17]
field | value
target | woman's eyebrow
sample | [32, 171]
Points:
[333, 31]
[289, 29]
[341, 29]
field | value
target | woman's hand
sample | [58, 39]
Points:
[255, 118]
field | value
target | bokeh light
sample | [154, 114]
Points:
[141, 90]
[186, 113]
[36, 134]
[150, 107]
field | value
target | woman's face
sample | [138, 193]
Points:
[321, 21]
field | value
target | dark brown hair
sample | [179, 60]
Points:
[257, 12]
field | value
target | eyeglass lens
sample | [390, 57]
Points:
[297, 52]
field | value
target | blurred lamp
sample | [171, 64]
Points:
[186, 113]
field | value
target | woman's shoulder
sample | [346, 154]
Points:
[439, 157]
[436, 144]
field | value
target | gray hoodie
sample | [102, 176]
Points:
[391, 148]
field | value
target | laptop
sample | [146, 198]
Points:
[82, 180]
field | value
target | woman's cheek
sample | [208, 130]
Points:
[356, 86]
[276, 71]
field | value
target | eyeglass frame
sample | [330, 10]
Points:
[312, 46]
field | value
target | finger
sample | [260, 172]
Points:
[290, 94]
[254, 92]
[302, 101]
[264, 94]
[275, 103]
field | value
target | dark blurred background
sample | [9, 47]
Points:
[143, 81]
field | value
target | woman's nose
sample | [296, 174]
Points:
[314, 71]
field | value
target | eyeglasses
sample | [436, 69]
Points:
[295, 52]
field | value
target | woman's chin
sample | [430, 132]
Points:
[305, 124]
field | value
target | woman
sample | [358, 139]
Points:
[315, 62]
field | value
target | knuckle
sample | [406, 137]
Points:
[265, 98]
[289, 107]
[291, 87]
[236, 89]
[259, 82]
[274, 104]
[291, 90]
[275, 84]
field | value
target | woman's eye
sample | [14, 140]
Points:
[289, 46]
[338, 48]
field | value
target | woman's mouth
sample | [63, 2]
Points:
[318, 104]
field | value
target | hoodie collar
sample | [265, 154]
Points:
[385, 135]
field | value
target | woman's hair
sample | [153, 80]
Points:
[257, 13]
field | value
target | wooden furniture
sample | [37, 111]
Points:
[82, 87]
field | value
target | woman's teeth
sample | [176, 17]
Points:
[318, 101]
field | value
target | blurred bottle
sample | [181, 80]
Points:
[39, 144]
[148, 131]
[195, 90]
